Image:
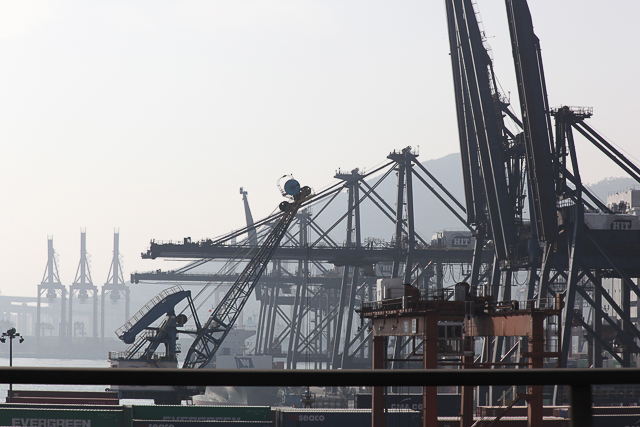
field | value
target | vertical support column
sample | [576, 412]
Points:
[102, 317]
[507, 278]
[94, 324]
[64, 326]
[349, 326]
[70, 330]
[597, 320]
[301, 292]
[543, 288]
[577, 216]
[127, 303]
[399, 208]
[466, 407]
[345, 289]
[377, 394]
[483, 397]
[270, 316]
[295, 317]
[274, 315]
[38, 324]
[495, 279]
[331, 300]
[261, 321]
[115, 285]
[408, 264]
[430, 361]
[477, 257]
[625, 300]
[580, 409]
[536, 349]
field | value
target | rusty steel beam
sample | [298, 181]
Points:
[506, 324]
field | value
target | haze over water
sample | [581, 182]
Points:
[61, 363]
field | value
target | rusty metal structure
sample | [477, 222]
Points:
[442, 331]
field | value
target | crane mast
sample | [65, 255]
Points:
[211, 335]
[251, 229]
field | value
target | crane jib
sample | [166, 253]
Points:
[209, 339]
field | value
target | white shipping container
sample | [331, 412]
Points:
[389, 288]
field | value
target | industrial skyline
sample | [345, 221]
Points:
[148, 117]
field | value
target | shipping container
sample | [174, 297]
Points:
[201, 413]
[303, 417]
[448, 404]
[623, 410]
[59, 406]
[451, 239]
[617, 420]
[506, 422]
[160, 423]
[519, 411]
[63, 417]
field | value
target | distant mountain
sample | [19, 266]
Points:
[606, 187]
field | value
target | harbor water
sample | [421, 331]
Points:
[60, 363]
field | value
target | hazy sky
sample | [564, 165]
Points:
[149, 115]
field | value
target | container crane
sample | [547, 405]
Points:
[251, 229]
[210, 335]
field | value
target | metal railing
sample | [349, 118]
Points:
[579, 380]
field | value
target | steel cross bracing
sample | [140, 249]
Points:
[562, 249]
[318, 325]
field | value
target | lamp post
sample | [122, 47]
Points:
[11, 334]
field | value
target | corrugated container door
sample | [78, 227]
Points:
[61, 417]
[161, 423]
[202, 413]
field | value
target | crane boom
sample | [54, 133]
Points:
[251, 229]
[217, 327]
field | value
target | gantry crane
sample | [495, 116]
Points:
[573, 240]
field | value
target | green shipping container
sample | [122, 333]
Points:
[33, 417]
[202, 413]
